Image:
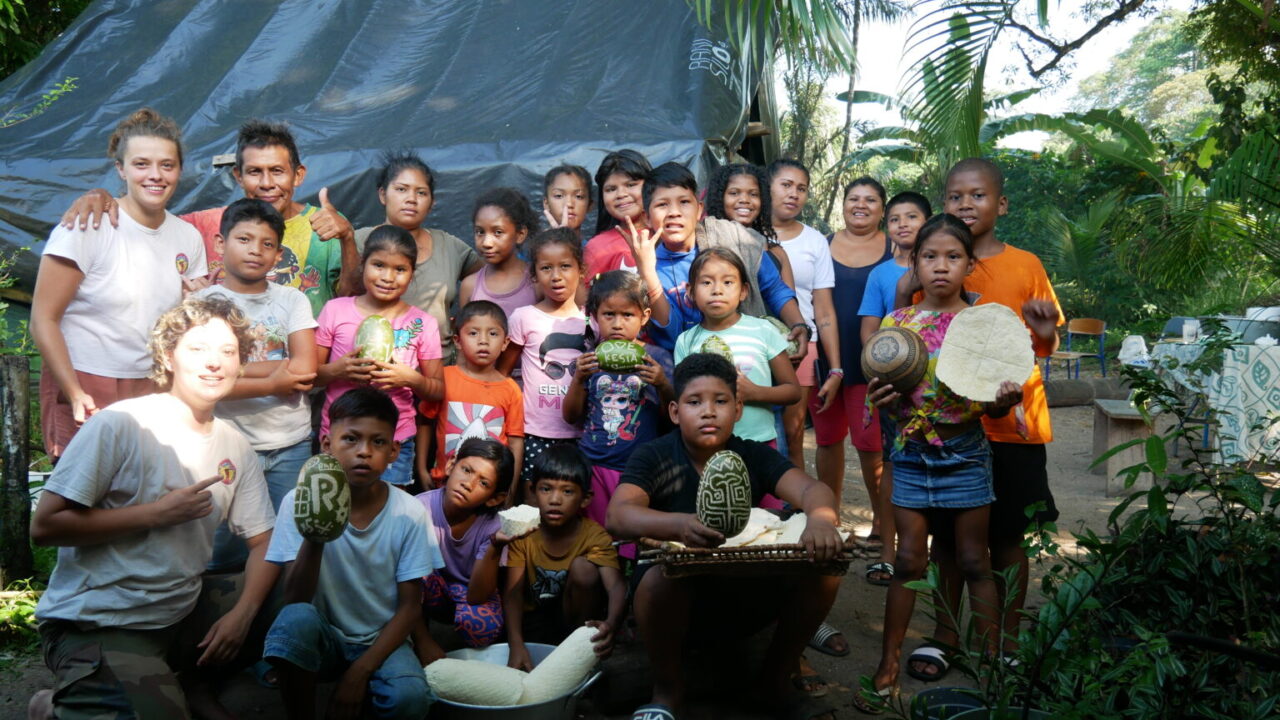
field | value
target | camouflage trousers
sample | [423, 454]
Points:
[110, 673]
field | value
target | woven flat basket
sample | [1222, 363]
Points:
[680, 561]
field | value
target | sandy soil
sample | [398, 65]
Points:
[720, 672]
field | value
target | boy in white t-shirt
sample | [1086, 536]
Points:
[269, 402]
[353, 602]
[132, 507]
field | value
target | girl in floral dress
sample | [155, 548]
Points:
[941, 459]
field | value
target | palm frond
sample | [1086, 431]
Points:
[1178, 242]
[868, 97]
[1252, 174]
[899, 151]
[1129, 130]
[885, 11]
[891, 132]
[812, 31]
[950, 45]
[1000, 102]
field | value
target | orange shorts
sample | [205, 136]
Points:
[56, 419]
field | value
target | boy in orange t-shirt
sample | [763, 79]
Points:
[1015, 278]
[478, 400]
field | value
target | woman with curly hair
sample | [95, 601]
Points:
[132, 508]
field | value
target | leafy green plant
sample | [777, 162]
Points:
[1199, 557]
[1198, 553]
[14, 115]
[14, 339]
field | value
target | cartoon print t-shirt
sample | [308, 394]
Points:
[417, 340]
[273, 421]
[307, 263]
[545, 574]
[473, 408]
[621, 412]
[549, 360]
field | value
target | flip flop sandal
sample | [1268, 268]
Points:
[884, 568]
[653, 712]
[820, 637]
[929, 655]
[876, 704]
[813, 685]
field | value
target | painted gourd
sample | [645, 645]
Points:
[321, 500]
[375, 338]
[716, 346]
[793, 346]
[724, 493]
[615, 355]
[897, 356]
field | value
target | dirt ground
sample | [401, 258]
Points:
[720, 672]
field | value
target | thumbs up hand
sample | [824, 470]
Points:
[328, 223]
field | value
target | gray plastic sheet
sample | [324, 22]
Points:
[490, 92]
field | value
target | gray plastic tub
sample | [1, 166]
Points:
[561, 708]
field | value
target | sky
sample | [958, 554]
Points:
[880, 48]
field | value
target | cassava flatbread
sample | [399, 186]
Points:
[985, 346]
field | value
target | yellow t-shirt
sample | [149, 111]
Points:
[545, 574]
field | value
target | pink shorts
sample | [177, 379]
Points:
[771, 502]
[604, 481]
[806, 371]
[845, 419]
[56, 419]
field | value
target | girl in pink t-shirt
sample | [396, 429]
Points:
[547, 338]
[390, 255]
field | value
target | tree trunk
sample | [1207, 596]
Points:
[848, 113]
[15, 498]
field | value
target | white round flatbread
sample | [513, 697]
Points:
[985, 346]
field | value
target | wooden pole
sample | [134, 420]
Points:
[15, 499]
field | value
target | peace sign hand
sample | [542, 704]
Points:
[552, 222]
[643, 245]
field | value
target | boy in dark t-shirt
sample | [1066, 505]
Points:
[656, 498]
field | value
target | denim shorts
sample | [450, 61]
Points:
[303, 637]
[400, 472]
[956, 475]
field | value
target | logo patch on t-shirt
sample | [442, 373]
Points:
[227, 471]
[181, 262]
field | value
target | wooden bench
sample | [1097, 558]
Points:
[1116, 422]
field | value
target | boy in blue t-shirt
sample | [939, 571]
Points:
[906, 213]
[663, 259]
[353, 602]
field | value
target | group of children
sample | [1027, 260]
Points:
[493, 396]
